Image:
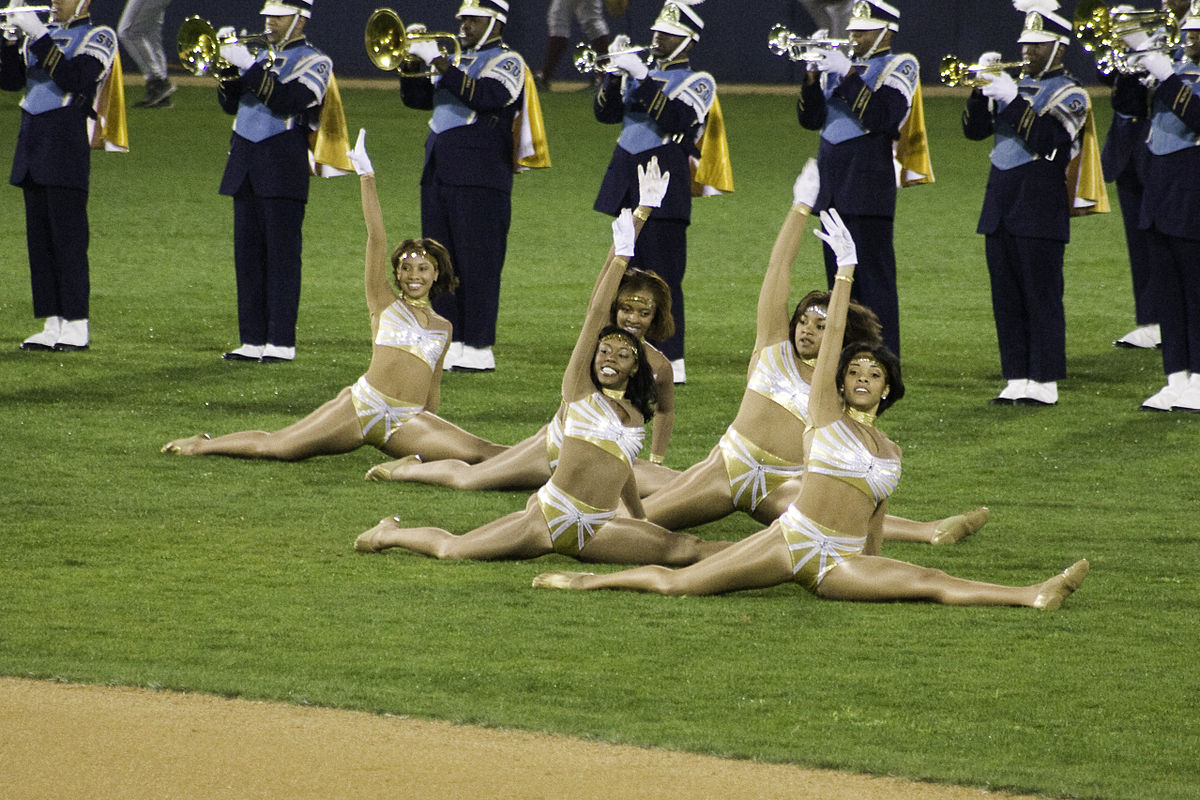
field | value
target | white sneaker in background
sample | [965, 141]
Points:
[74, 336]
[1165, 398]
[680, 372]
[47, 337]
[247, 352]
[475, 359]
[1189, 398]
[1146, 337]
[273, 353]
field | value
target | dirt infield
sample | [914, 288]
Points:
[67, 741]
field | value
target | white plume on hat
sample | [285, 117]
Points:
[1038, 6]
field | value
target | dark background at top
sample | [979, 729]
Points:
[733, 46]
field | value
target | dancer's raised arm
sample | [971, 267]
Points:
[825, 403]
[652, 186]
[380, 293]
[773, 314]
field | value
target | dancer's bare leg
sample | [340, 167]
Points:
[943, 531]
[433, 438]
[874, 578]
[756, 562]
[635, 541]
[522, 466]
[652, 477]
[519, 535]
[699, 495]
[332, 428]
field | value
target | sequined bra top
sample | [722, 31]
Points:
[837, 452]
[777, 378]
[398, 327]
[594, 420]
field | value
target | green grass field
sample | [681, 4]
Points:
[119, 565]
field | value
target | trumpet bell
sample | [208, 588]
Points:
[1107, 33]
[387, 42]
[955, 72]
[199, 50]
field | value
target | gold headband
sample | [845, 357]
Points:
[626, 338]
[867, 362]
[637, 298]
[418, 252]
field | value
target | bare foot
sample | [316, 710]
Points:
[560, 579]
[954, 529]
[384, 471]
[185, 447]
[368, 541]
[1053, 592]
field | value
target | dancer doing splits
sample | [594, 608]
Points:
[828, 539]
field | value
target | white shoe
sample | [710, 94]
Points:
[453, 354]
[1039, 394]
[1189, 399]
[74, 336]
[272, 353]
[1165, 398]
[679, 372]
[247, 352]
[47, 337]
[475, 359]
[1014, 389]
[1146, 337]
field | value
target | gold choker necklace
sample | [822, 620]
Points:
[418, 302]
[862, 417]
[809, 362]
[615, 394]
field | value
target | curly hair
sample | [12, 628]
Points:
[446, 281]
[639, 389]
[644, 281]
[861, 323]
[891, 365]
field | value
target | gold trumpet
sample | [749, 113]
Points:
[955, 72]
[1102, 31]
[387, 42]
[200, 47]
[784, 43]
[587, 60]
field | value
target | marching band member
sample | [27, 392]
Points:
[1038, 128]
[1170, 208]
[668, 112]
[860, 103]
[483, 111]
[277, 104]
[61, 67]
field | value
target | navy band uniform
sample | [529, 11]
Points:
[60, 72]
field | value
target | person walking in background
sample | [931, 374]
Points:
[466, 185]
[590, 16]
[859, 103]
[1170, 209]
[277, 104]
[831, 16]
[663, 111]
[61, 67]
[1038, 127]
[140, 31]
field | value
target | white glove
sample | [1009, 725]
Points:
[425, 49]
[808, 183]
[620, 42]
[238, 55]
[1000, 86]
[819, 34]
[228, 32]
[835, 62]
[416, 27]
[623, 234]
[1155, 63]
[838, 237]
[989, 58]
[652, 183]
[29, 24]
[631, 64]
[358, 156]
